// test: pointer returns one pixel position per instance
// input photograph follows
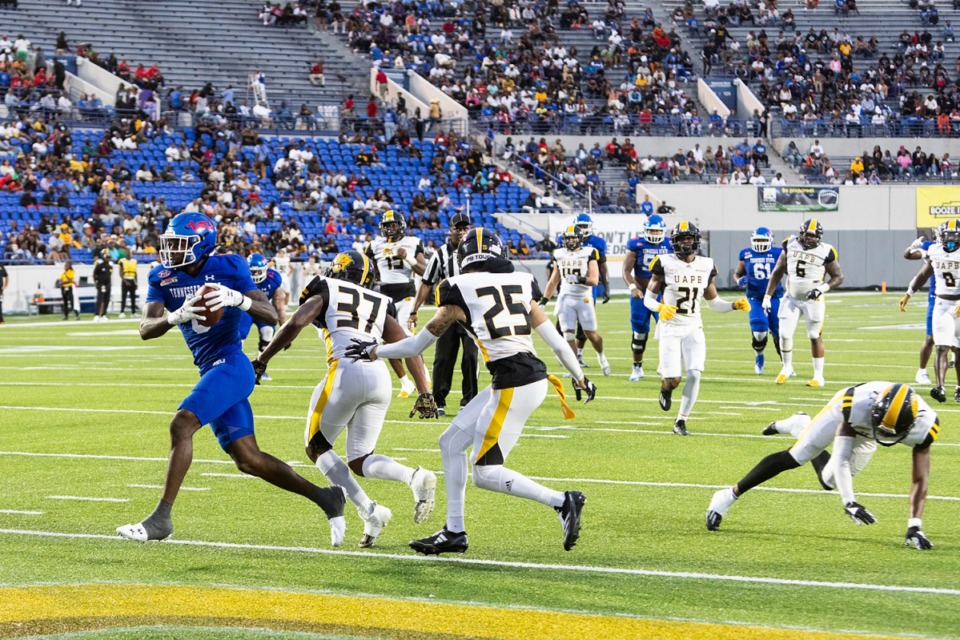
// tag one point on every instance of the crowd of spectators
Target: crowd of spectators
(870, 167)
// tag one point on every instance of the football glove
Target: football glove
(606, 296)
(426, 406)
(188, 312)
(767, 304)
(916, 244)
(917, 539)
(226, 297)
(543, 301)
(588, 387)
(667, 311)
(575, 279)
(262, 344)
(956, 311)
(741, 304)
(360, 349)
(858, 513)
(814, 294)
(742, 282)
(259, 368)
(903, 301)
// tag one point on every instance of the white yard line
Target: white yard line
(682, 575)
(88, 499)
(160, 487)
(17, 512)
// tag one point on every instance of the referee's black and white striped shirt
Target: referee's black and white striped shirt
(442, 264)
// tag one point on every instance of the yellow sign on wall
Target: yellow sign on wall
(936, 205)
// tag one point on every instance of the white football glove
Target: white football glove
(191, 310)
(226, 297)
(767, 304)
(916, 244)
(573, 279)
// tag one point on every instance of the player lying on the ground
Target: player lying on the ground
(355, 395)
(855, 420)
(221, 397)
(498, 307)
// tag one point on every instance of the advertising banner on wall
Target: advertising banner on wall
(814, 199)
(935, 205)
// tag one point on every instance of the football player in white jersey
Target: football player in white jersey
(578, 268)
(685, 278)
(497, 305)
(943, 261)
(855, 420)
(806, 261)
(354, 395)
(398, 258)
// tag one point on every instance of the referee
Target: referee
(443, 264)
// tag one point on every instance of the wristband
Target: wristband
(910, 291)
(824, 287)
(632, 287)
(246, 304)
(914, 522)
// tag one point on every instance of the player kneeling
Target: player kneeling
(497, 306)
(855, 420)
(355, 395)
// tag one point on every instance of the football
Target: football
(213, 317)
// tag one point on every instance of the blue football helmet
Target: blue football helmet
(761, 240)
(584, 226)
(258, 267)
(654, 229)
(950, 235)
(189, 238)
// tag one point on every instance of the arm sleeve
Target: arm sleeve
(842, 450)
(408, 347)
(650, 301)
(562, 350)
(432, 273)
(720, 305)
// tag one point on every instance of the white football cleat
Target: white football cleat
(375, 518)
(122, 315)
(637, 374)
(407, 388)
(604, 365)
(137, 533)
(338, 529)
(922, 377)
(424, 487)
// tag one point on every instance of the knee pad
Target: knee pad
(569, 336)
(639, 342)
(487, 476)
(759, 340)
(814, 332)
(786, 344)
(693, 376)
(319, 445)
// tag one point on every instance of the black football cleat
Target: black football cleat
(713, 521)
(938, 394)
(770, 429)
(956, 395)
(680, 428)
(665, 399)
(573, 502)
(443, 541)
(441, 411)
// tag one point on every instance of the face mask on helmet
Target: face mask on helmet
(761, 240)
(188, 239)
(258, 268)
(654, 231)
(571, 241)
(810, 234)
(893, 414)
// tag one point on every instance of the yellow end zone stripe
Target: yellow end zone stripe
(22, 604)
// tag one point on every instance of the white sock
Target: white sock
(405, 382)
(453, 451)
(384, 468)
(579, 353)
(496, 477)
(691, 389)
(786, 353)
(818, 367)
(337, 472)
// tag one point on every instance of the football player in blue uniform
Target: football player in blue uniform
(752, 274)
(917, 251)
(636, 273)
(220, 398)
(269, 281)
